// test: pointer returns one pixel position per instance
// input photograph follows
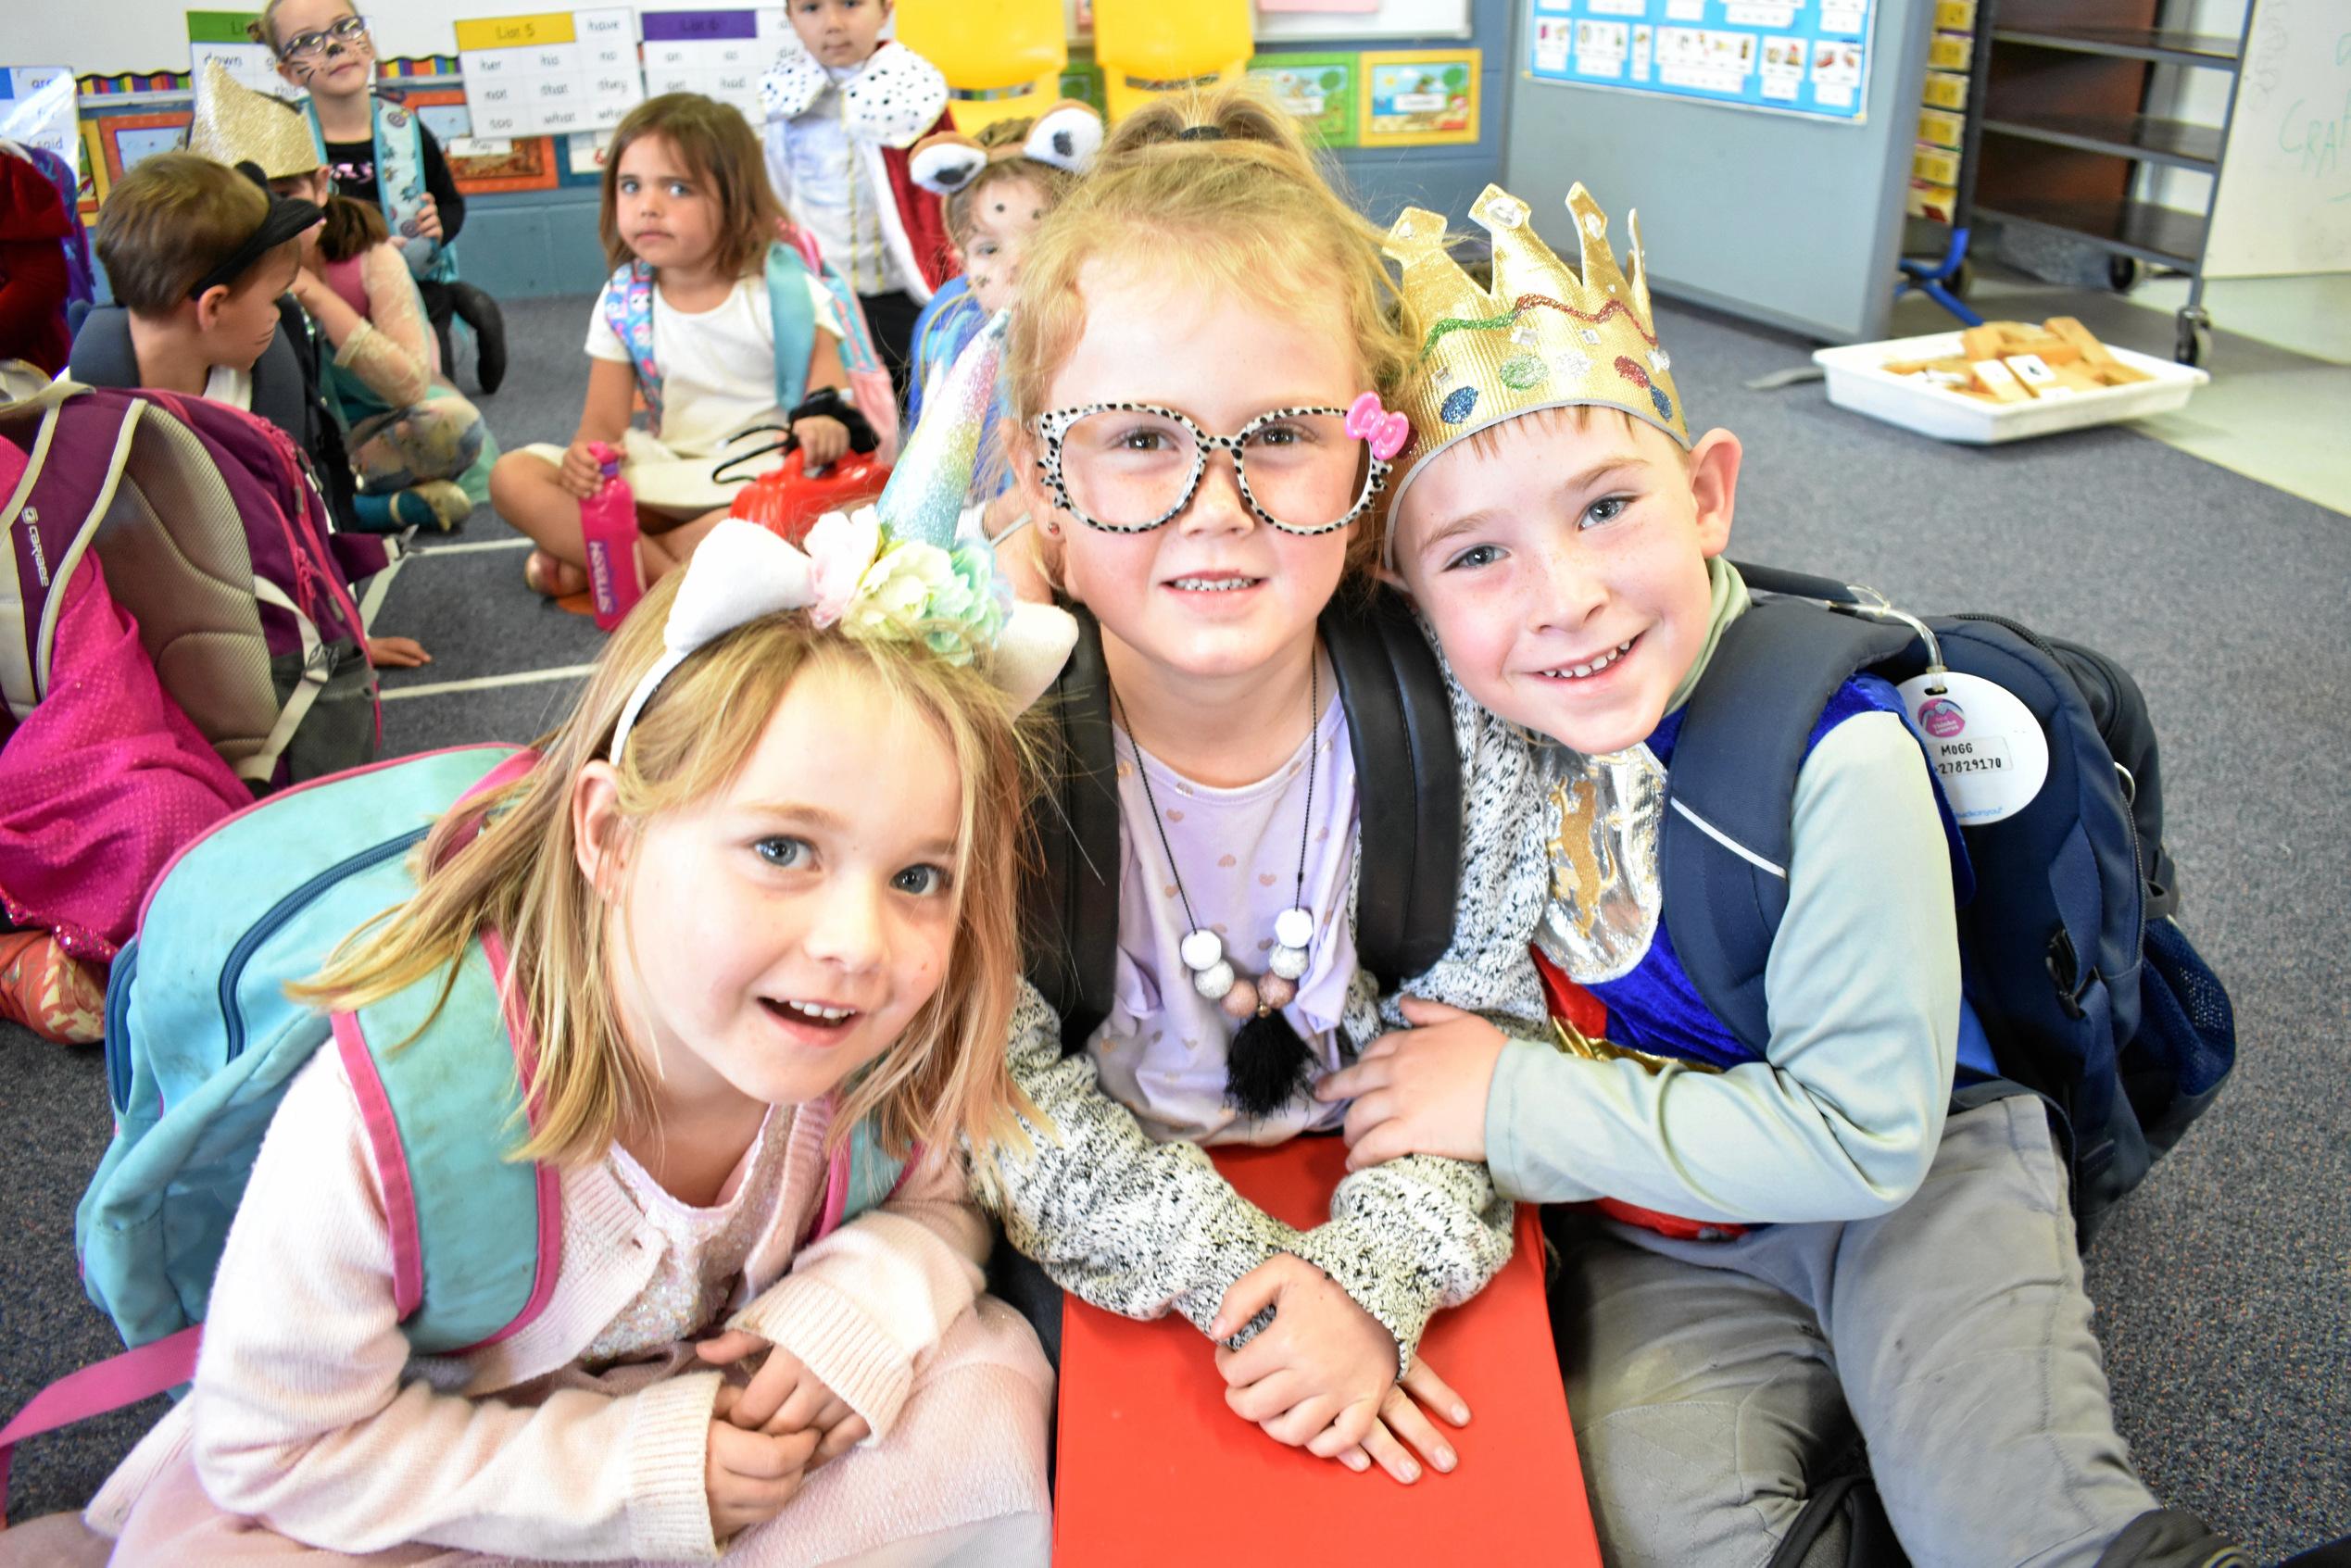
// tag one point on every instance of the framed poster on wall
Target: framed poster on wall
(1418, 97)
(1320, 89)
(124, 139)
(1792, 56)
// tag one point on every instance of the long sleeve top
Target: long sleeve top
(1842, 1117)
(1143, 1227)
(310, 1413)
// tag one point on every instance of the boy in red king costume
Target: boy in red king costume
(844, 105)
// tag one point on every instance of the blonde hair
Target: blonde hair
(959, 206)
(263, 29)
(1249, 210)
(720, 150)
(172, 220)
(942, 1080)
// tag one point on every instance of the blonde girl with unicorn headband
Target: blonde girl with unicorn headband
(752, 909)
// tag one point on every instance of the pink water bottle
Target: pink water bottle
(607, 527)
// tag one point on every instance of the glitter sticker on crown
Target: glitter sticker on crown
(1522, 372)
(1551, 330)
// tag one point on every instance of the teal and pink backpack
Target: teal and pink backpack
(202, 1041)
(791, 261)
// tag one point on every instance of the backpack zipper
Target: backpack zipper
(286, 910)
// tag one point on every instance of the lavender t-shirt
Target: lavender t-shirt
(1162, 1050)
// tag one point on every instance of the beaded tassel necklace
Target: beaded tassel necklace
(1267, 1064)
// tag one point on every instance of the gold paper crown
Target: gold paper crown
(234, 124)
(1543, 337)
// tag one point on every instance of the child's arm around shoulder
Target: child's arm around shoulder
(304, 1415)
(863, 1303)
(1862, 986)
(1135, 1226)
(1413, 1234)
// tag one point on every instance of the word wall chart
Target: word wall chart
(719, 54)
(558, 71)
(1793, 57)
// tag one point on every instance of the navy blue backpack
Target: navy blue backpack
(2089, 993)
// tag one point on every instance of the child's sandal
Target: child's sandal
(552, 577)
(50, 991)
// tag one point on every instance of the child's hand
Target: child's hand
(397, 653)
(428, 218)
(824, 440)
(748, 1476)
(784, 1397)
(1422, 1090)
(306, 288)
(579, 473)
(1323, 1363)
(1403, 1420)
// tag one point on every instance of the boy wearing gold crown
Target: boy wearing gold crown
(1782, 1246)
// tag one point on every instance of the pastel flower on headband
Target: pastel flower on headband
(840, 547)
(1386, 432)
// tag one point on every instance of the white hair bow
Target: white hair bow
(852, 573)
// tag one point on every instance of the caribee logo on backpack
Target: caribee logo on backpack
(1988, 750)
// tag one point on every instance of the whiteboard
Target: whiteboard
(2285, 201)
(150, 35)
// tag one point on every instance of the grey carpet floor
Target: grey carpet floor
(2220, 1285)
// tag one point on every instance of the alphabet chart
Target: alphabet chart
(719, 54)
(558, 71)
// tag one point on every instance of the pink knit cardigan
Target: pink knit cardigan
(309, 1413)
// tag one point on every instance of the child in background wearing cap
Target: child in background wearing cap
(418, 445)
(1856, 1253)
(198, 255)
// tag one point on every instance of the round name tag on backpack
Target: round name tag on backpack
(1988, 749)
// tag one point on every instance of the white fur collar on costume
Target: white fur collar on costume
(894, 99)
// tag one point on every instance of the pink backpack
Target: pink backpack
(215, 539)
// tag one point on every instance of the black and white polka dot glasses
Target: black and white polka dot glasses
(1129, 467)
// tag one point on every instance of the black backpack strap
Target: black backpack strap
(1073, 895)
(1730, 824)
(1408, 787)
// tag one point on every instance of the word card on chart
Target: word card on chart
(222, 35)
(557, 71)
(36, 108)
(719, 54)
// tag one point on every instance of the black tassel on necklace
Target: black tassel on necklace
(1267, 1065)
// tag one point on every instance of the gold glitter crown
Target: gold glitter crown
(1543, 337)
(234, 124)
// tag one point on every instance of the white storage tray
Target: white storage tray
(1858, 381)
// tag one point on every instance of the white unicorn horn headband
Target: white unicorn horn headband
(889, 572)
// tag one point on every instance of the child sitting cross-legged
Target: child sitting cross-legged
(419, 445)
(717, 324)
(1790, 1243)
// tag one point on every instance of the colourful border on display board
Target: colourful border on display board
(1408, 120)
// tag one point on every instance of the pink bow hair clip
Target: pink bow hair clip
(1386, 433)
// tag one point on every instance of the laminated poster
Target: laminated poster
(556, 71)
(1792, 56)
(1319, 89)
(222, 35)
(719, 54)
(36, 108)
(1419, 97)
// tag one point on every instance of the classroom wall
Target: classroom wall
(536, 243)
(1790, 220)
